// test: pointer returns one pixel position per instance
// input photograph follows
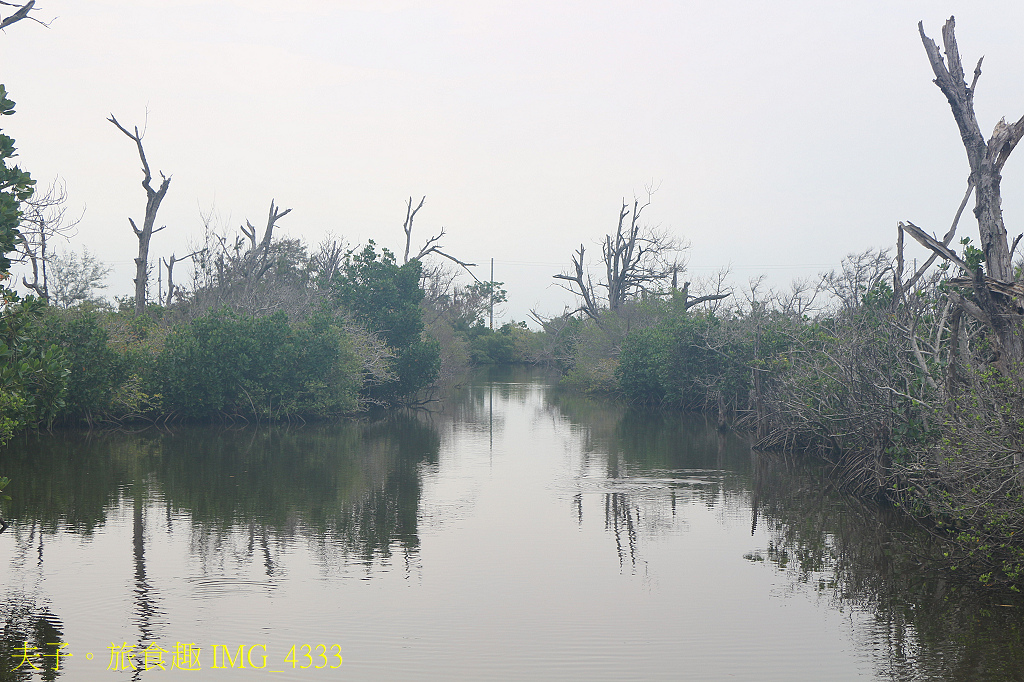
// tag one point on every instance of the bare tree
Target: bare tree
(432, 245)
(256, 262)
(259, 274)
(43, 219)
(145, 235)
(582, 284)
(327, 260)
(637, 258)
(169, 264)
(995, 297)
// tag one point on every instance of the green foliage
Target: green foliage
(694, 360)
(96, 368)
(878, 296)
(495, 347)
(382, 294)
(973, 256)
(643, 365)
(16, 186)
(33, 375)
(33, 371)
(385, 297)
(225, 363)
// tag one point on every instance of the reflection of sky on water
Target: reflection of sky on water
(519, 532)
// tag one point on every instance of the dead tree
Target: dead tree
(327, 260)
(43, 219)
(145, 235)
(636, 258)
(169, 264)
(582, 285)
(257, 261)
(624, 255)
(994, 299)
(432, 245)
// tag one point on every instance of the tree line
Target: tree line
(909, 382)
(268, 328)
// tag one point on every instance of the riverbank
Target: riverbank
(610, 542)
(896, 391)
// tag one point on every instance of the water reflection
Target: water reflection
(355, 485)
(852, 553)
(241, 497)
(648, 465)
(525, 516)
(30, 643)
(926, 624)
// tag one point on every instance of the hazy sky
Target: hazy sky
(782, 135)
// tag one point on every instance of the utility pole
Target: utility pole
(492, 294)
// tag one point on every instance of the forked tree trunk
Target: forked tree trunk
(995, 308)
(145, 235)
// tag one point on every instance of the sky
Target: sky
(781, 136)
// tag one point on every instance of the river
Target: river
(515, 532)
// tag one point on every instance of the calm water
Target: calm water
(519, 534)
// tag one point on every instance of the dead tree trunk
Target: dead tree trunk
(257, 261)
(432, 245)
(410, 215)
(636, 259)
(998, 310)
(145, 235)
(622, 254)
(584, 287)
(169, 264)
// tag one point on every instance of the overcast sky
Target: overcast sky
(781, 135)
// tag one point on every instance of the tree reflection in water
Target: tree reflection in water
(351, 491)
(645, 463)
(29, 642)
(925, 624)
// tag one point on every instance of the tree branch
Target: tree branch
(22, 13)
(410, 215)
(933, 244)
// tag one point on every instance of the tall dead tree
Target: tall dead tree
(624, 254)
(432, 245)
(995, 300)
(145, 235)
(257, 260)
(636, 258)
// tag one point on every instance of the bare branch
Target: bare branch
(153, 199)
(933, 244)
(705, 299)
(410, 215)
(22, 13)
(584, 288)
(945, 240)
(430, 245)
